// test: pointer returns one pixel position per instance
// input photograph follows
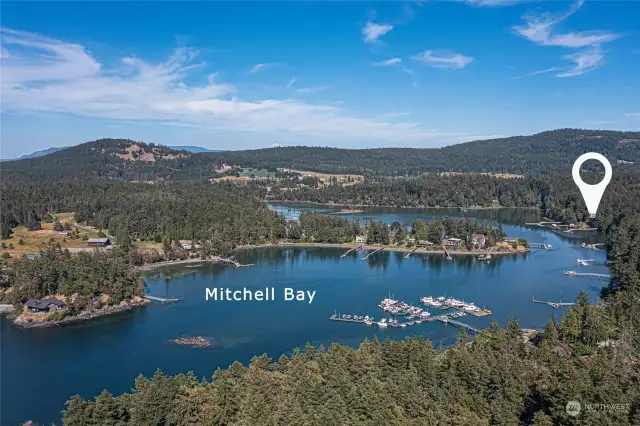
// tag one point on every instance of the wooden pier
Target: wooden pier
(338, 317)
(554, 304)
(408, 255)
(350, 250)
(372, 253)
(446, 252)
(231, 261)
(160, 299)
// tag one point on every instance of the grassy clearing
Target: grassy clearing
(34, 241)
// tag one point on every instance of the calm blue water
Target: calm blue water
(41, 368)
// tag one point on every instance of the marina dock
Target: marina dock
(372, 253)
(351, 250)
(160, 299)
(446, 319)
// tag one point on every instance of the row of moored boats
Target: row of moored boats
(442, 302)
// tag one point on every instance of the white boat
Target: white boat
(470, 307)
(441, 299)
(383, 323)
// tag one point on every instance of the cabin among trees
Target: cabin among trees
(44, 306)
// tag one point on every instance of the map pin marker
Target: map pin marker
(592, 193)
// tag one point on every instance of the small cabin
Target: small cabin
(361, 239)
(44, 306)
(99, 242)
(424, 243)
(510, 240)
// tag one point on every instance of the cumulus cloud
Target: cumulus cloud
(40, 74)
(372, 31)
(454, 61)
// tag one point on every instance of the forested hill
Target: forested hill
(530, 155)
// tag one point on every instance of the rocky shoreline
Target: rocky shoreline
(83, 316)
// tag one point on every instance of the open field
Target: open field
(325, 178)
(34, 241)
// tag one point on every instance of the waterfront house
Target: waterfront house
(99, 242)
(361, 239)
(510, 240)
(44, 306)
(423, 243)
(454, 242)
(32, 256)
(188, 245)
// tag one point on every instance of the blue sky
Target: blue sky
(234, 75)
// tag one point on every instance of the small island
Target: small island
(194, 342)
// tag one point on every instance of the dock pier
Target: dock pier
(408, 255)
(446, 319)
(350, 250)
(231, 261)
(588, 274)
(446, 252)
(554, 304)
(160, 299)
(372, 253)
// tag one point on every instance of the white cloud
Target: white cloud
(290, 83)
(261, 67)
(372, 31)
(585, 61)
(531, 74)
(539, 29)
(315, 89)
(494, 3)
(39, 74)
(454, 61)
(388, 62)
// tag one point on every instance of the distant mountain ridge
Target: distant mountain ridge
(539, 154)
(42, 153)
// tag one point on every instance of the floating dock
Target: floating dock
(231, 261)
(554, 304)
(372, 253)
(588, 262)
(351, 250)
(408, 255)
(587, 274)
(160, 299)
(448, 320)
